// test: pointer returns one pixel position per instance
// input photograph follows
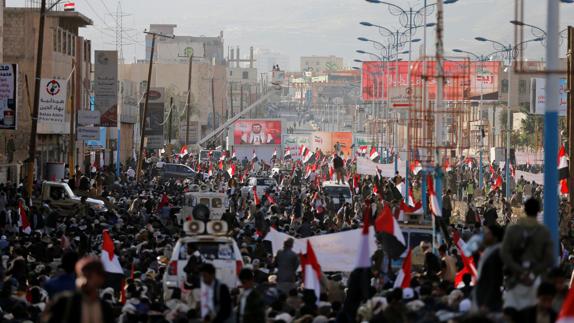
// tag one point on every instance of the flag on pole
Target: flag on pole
(287, 154)
(447, 166)
(460, 244)
(566, 314)
(70, 6)
(390, 233)
(109, 258)
(256, 198)
(362, 150)
(404, 275)
(254, 156)
(183, 151)
(433, 199)
(231, 170)
(562, 163)
(233, 156)
(220, 165)
(23, 221)
(374, 155)
(308, 157)
(311, 271)
(416, 167)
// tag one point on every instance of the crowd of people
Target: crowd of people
(492, 260)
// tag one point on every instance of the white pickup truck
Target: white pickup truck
(63, 199)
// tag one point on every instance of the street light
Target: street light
(510, 55)
(357, 61)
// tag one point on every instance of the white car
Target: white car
(261, 185)
(338, 193)
(221, 251)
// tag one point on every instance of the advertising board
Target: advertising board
(538, 96)
(106, 86)
(257, 132)
(52, 107)
(8, 96)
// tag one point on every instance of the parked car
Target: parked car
(167, 170)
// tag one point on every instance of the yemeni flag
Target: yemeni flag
(210, 170)
(308, 157)
(468, 268)
(311, 271)
(491, 169)
(562, 163)
(287, 154)
(468, 161)
(566, 314)
(303, 150)
(433, 199)
(497, 184)
(358, 285)
(233, 156)
(405, 208)
(404, 275)
(416, 167)
(460, 244)
(374, 155)
(389, 233)
(114, 271)
(269, 198)
(447, 166)
(70, 6)
(254, 156)
(231, 170)
(23, 221)
(220, 165)
(362, 150)
(183, 151)
(256, 198)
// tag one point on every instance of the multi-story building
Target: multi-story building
(63, 49)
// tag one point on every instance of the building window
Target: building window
(504, 86)
(245, 75)
(230, 73)
(522, 89)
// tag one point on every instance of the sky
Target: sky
(298, 28)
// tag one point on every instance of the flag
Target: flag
(256, 198)
(274, 153)
(254, 157)
(308, 157)
(411, 199)
(210, 170)
(362, 150)
(303, 150)
(70, 6)
(468, 161)
(497, 184)
(374, 155)
(447, 166)
(269, 198)
(24, 224)
(109, 258)
(220, 165)
(331, 172)
(468, 268)
(562, 163)
(311, 271)
(433, 199)
(460, 244)
(233, 156)
(389, 232)
(564, 187)
(416, 167)
(512, 170)
(566, 314)
(404, 275)
(491, 169)
(287, 154)
(183, 151)
(231, 170)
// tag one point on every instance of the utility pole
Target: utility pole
(241, 102)
(213, 98)
(231, 99)
(72, 141)
(144, 115)
(187, 108)
(34, 127)
(569, 112)
(169, 122)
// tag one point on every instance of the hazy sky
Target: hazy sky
(305, 27)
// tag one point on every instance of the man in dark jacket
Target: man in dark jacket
(487, 292)
(490, 215)
(287, 263)
(251, 307)
(339, 165)
(215, 300)
(84, 305)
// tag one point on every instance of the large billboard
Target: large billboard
(52, 107)
(464, 80)
(257, 132)
(154, 118)
(294, 142)
(106, 86)
(8, 96)
(538, 96)
(327, 141)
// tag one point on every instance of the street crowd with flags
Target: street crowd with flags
(446, 246)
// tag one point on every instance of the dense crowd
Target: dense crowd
(506, 272)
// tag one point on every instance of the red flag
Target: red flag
(404, 275)
(566, 314)
(311, 271)
(24, 224)
(434, 206)
(256, 198)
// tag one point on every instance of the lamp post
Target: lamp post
(510, 53)
(407, 18)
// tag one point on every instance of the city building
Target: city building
(62, 48)
(242, 77)
(321, 64)
(176, 49)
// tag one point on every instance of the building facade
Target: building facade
(321, 64)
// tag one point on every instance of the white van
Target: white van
(215, 248)
(338, 193)
(215, 201)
